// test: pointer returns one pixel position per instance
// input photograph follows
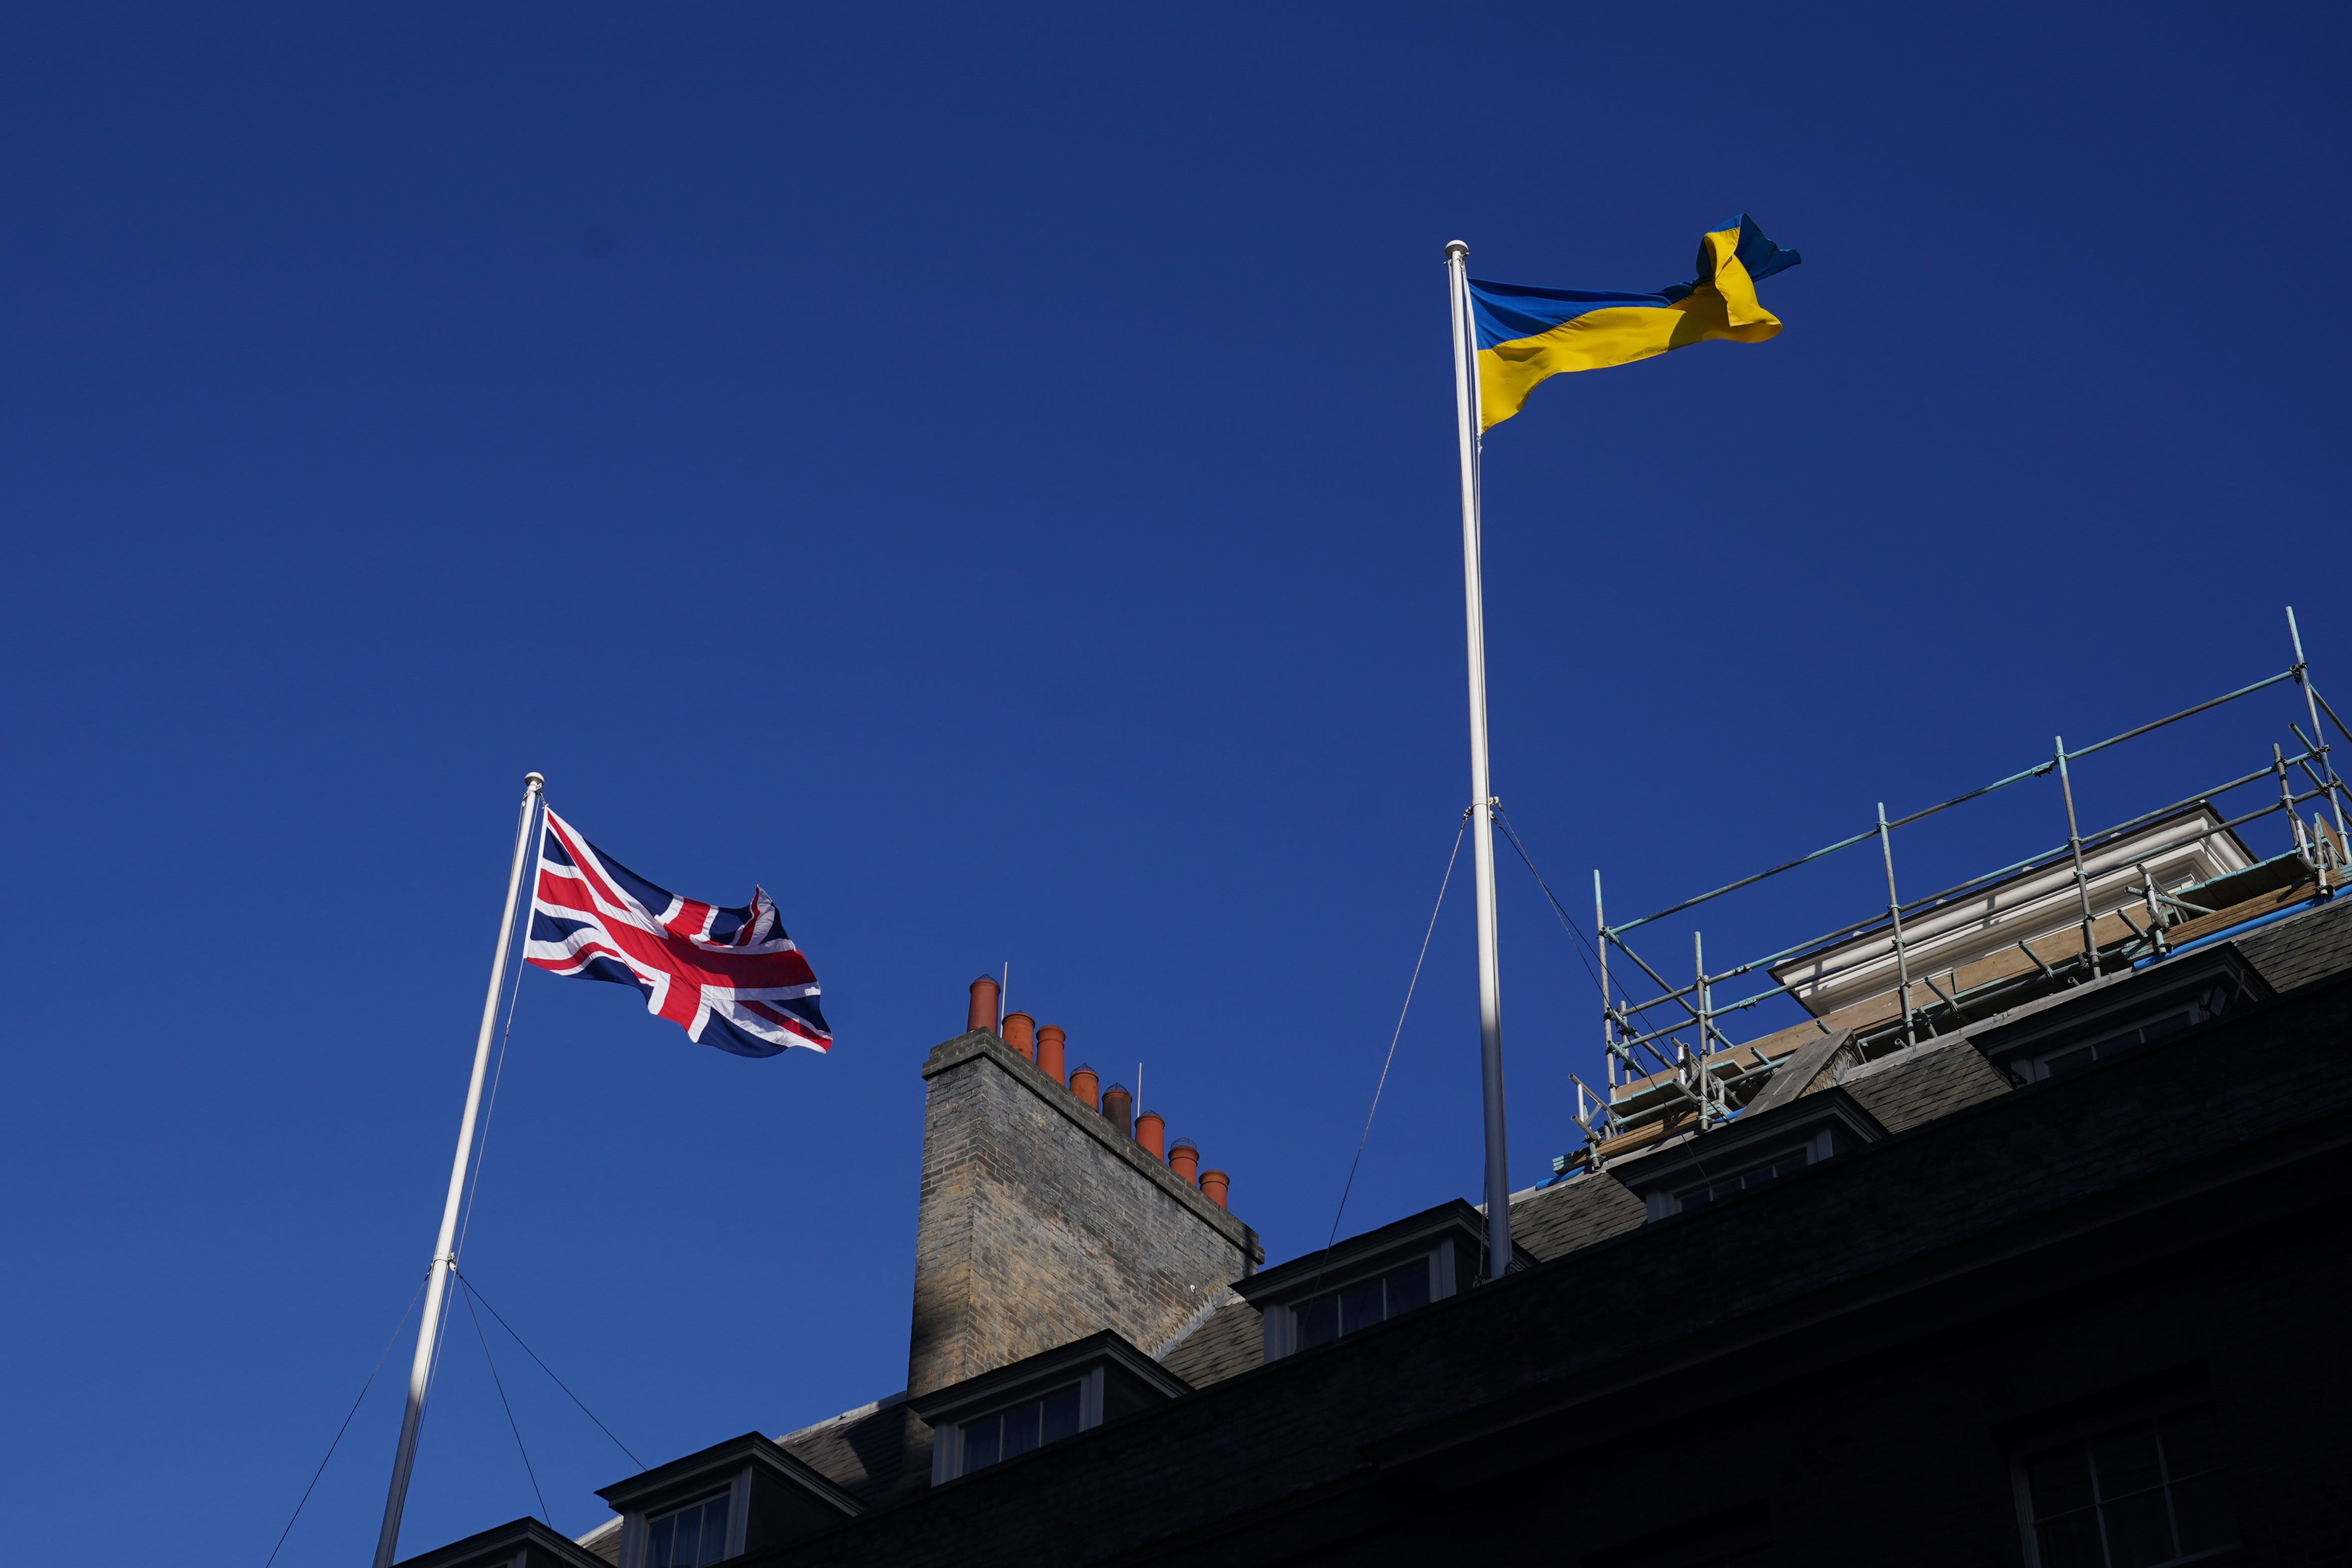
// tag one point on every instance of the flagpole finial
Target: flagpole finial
(532, 783)
(1455, 249)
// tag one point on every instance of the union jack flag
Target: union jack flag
(729, 978)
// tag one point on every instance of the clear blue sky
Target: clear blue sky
(989, 478)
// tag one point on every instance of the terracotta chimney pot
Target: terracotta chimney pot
(1151, 1131)
(1021, 1034)
(1049, 1050)
(1120, 1106)
(1082, 1084)
(1184, 1159)
(1214, 1185)
(983, 1005)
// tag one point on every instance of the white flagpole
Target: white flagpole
(1490, 971)
(445, 1256)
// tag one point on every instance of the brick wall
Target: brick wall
(1039, 1223)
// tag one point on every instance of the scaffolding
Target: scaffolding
(1669, 1061)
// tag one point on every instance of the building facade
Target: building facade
(2052, 1278)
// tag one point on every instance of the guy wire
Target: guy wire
(499, 1384)
(1411, 985)
(347, 1420)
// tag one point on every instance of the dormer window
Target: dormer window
(1757, 1149)
(1366, 1279)
(1365, 1302)
(2073, 1056)
(1753, 1174)
(1013, 1410)
(688, 1537)
(2071, 1031)
(741, 1496)
(1018, 1428)
(523, 1543)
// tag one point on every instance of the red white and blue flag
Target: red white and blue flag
(729, 978)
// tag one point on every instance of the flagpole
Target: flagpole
(1482, 799)
(445, 1256)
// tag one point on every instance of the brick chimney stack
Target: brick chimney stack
(1042, 1222)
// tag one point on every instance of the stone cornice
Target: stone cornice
(979, 1043)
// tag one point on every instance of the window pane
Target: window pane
(2071, 1541)
(2126, 1463)
(1061, 1415)
(659, 1554)
(1319, 1321)
(1359, 1306)
(2139, 1530)
(1408, 1287)
(714, 1530)
(2068, 1061)
(1021, 1428)
(2188, 1447)
(2201, 1513)
(2061, 1480)
(980, 1439)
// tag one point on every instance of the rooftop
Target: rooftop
(2120, 1012)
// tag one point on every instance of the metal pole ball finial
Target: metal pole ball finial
(1455, 247)
(534, 782)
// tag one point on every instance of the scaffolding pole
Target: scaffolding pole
(1601, 953)
(2311, 704)
(1895, 913)
(2082, 879)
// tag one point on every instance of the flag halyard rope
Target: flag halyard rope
(482, 1143)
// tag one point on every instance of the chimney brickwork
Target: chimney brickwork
(1040, 1224)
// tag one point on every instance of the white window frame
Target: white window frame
(2148, 1411)
(636, 1528)
(1816, 1146)
(2197, 1010)
(1282, 1336)
(947, 1440)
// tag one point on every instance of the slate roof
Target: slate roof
(875, 1453)
(1552, 1220)
(605, 1541)
(1930, 1079)
(1232, 1341)
(2302, 948)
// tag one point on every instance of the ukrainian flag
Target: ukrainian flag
(1527, 334)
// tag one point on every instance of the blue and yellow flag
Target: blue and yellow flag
(1527, 334)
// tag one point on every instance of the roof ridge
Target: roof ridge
(1224, 1296)
(870, 1407)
